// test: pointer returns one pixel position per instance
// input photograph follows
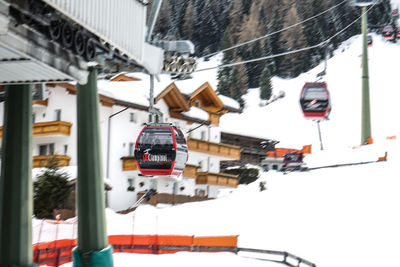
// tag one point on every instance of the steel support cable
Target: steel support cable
(323, 43)
(281, 30)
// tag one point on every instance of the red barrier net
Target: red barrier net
(58, 252)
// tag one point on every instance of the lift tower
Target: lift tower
(366, 136)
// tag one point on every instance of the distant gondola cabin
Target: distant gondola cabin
(315, 101)
(388, 32)
(369, 40)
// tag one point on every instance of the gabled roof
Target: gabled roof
(123, 78)
(208, 98)
(173, 98)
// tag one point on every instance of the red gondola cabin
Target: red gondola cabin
(369, 40)
(388, 32)
(315, 101)
(161, 151)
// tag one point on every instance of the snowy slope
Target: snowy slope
(333, 217)
(283, 120)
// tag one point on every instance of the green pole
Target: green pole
(93, 249)
(16, 201)
(365, 110)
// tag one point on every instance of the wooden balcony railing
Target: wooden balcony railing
(41, 102)
(51, 128)
(190, 171)
(48, 128)
(41, 161)
(129, 163)
(217, 149)
(222, 179)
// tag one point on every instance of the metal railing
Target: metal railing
(276, 256)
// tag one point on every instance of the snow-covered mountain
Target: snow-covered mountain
(333, 217)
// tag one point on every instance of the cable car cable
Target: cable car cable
(272, 33)
(191, 130)
(288, 52)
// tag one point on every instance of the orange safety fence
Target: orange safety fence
(58, 252)
(215, 241)
(133, 243)
(307, 149)
(280, 152)
(174, 240)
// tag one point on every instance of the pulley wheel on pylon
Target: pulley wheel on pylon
(79, 43)
(67, 35)
(90, 50)
(55, 30)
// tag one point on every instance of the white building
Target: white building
(123, 110)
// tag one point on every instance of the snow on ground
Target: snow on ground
(284, 121)
(333, 217)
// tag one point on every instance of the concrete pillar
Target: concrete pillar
(366, 137)
(93, 249)
(16, 202)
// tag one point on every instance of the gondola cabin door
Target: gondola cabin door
(161, 151)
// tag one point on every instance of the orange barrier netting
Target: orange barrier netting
(58, 252)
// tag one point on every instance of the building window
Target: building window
(65, 149)
(200, 192)
(150, 118)
(58, 114)
(132, 117)
(46, 149)
(201, 165)
(131, 184)
(131, 148)
(33, 117)
(203, 135)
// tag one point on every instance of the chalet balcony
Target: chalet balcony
(129, 163)
(216, 149)
(49, 128)
(52, 128)
(190, 171)
(222, 179)
(40, 103)
(42, 160)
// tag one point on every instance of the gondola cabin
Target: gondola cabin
(369, 40)
(292, 161)
(388, 32)
(161, 151)
(315, 101)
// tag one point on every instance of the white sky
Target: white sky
(345, 217)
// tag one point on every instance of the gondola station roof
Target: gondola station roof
(27, 57)
(32, 54)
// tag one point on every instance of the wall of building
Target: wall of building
(118, 137)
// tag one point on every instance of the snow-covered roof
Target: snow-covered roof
(229, 102)
(196, 113)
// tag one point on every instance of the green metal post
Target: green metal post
(16, 201)
(365, 112)
(93, 249)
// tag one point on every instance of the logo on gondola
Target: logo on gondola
(149, 157)
(313, 104)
